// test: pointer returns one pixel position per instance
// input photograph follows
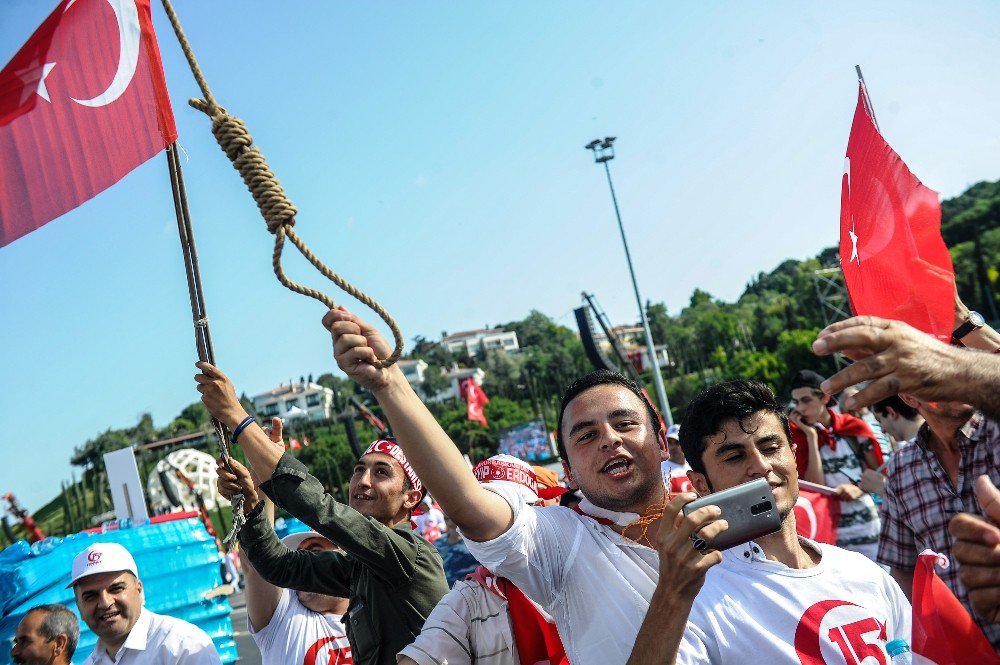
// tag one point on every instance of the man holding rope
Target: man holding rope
(391, 575)
(593, 570)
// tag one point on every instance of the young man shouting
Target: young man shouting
(781, 598)
(594, 570)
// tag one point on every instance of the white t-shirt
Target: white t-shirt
(859, 526)
(755, 610)
(296, 635)
(157, 639)
(592, 581)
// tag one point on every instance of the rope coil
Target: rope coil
(277, 210)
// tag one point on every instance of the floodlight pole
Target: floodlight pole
(603, 153)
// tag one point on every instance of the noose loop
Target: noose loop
(278, 211)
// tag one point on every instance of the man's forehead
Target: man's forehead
(604, 399)
(753, 428)
(102, 580)
(379, 459)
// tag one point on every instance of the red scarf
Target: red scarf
(536, 638)
(841, 424)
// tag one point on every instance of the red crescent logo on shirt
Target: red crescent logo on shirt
(317, 655)
(859, 637)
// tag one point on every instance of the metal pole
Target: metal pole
(661, 393)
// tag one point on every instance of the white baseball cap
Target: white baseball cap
(293, 540)
(102, 558)
(673, 432)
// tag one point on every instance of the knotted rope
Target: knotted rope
(277, 210)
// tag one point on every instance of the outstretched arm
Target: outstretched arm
(481, 515)
(897, 358)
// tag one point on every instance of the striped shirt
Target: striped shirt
(920, 500)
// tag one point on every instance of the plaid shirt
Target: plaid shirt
(920, 500)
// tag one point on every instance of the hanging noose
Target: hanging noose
(278, 212)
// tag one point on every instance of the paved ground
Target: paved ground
(249, 654)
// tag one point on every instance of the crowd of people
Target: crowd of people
(511, 564)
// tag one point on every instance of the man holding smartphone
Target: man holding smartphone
(780, 598)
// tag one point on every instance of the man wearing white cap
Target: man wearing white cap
(110, 599)
(674, 469)
(485, 619)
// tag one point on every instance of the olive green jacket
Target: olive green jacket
(393, 577)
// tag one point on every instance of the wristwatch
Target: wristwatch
(974, 322)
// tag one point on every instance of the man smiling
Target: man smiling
(110, 599)
(592, 570)
(391, 575)
(781, 598)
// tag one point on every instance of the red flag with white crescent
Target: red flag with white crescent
(81, 104)
(817, 516)
(894, 259)
(943, 631)
(475, 398)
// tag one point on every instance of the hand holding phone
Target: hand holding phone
(749, 509)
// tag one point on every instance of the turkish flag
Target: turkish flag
(895, 262)
(817, 516)
(943, 631)
(475, 398)
(81, 104)
(295, 444)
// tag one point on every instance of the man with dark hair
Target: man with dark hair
(592, 569)
(47, 635)
(392, 576)
(781, 598)
(835, 449)
(898, 418)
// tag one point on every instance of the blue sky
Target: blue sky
(435, 152)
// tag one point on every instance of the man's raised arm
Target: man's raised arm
(481, 514)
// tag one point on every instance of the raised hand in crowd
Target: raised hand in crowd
(682, 573)
(237, 481)
(897, 358)
(977, 551)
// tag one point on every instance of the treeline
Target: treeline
(766, 334)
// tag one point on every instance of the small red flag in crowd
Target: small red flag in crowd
(943, 631)
(817, 516)
(305, 441)
(295, 444)
(81, 104)
(475, 398)
(895, 262)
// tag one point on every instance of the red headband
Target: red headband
(395, 452)
(511, 472)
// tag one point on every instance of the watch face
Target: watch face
(976, 319)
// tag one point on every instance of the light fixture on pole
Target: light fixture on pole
(604, 152)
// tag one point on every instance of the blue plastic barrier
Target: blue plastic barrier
(178, 564)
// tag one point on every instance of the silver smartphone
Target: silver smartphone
(749, 508)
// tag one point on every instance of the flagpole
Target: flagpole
(868, 100)
(203, 337)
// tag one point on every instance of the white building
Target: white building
(413, 370)
(296, 400)
(454, 377)
(471, 341)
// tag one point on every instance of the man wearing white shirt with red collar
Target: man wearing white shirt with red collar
(778, 599)
(592, 570)
(110, 599)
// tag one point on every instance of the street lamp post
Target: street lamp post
(604, 152)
